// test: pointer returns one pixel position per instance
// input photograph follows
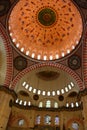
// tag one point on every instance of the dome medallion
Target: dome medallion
(47, 16)
(45, 30)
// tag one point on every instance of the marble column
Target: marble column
(5, 109)
(61, 121)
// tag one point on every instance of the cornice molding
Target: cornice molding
(8, 91)
(82, 93)
(63, 108)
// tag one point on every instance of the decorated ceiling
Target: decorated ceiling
(45, 30)
(43, 47)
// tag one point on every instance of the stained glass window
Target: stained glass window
(56, 120)
(38, 119)
(47, 119)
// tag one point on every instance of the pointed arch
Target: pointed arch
(6, 57)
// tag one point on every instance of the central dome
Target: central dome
(45, 30)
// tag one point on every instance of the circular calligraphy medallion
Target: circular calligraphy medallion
(47, 16)
(74, 62)
(4, 6)
(81, 3)
(20, 63)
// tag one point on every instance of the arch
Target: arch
(8, 50)
(39, 65)
(84, 59)
(80, 121)
(16, 117)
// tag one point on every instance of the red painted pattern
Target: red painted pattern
(85, 59)
(60, 66)
(8, 49)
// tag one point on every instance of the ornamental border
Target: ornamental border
(84, 62)
(9, 58)
(39, 65)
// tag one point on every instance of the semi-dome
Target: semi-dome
(45, 30)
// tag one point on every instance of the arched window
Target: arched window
(53, 93)
(47, 119)
(75, 126)
(21, 122)
(38, 119)
(29, 103)
(56, 120)
(55, 105)
(40, 104)
(72, 104)
(48, 104)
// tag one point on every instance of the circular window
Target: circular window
(75, 125)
